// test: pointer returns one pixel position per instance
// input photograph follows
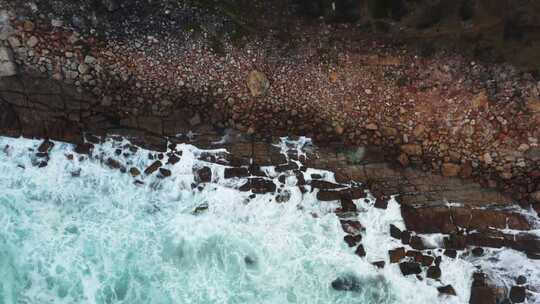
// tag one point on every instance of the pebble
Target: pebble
(32, 42)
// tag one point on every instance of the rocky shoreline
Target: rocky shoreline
(456, 139)
(442, 113)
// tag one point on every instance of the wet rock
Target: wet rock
(352, 240)
(351, 226)
(380, 203)
(434, 272)
(451, 253)
(324, 185)
(153, 167)
(427, 260)
(204, 175)
(406, 237)
(455, 241)
(517, 294)
(113, 163)
(379, 264)
(200, 209)
(84, 148)
(428, 220)
(259, 185)
(481, 291)
(417, 243)
(408, 268)
(448, 289)
(521, 280)
(360, 251)
(45, 146)
(250, 261)
(163, 173)
(173, 159)
(134, 172)
(403, 159)
(395, 232)
(257, 83)
(396, 255)
(478, 251)
(347, 282)
(347, 205)
(236, 172)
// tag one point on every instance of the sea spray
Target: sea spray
(98, 237)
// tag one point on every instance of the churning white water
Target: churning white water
(76, 231)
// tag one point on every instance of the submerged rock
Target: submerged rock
(347, 282)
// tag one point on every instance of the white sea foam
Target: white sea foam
(99, 238)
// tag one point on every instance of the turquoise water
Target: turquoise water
(96, 237)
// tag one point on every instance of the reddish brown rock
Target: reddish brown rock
(396, 255)
(450, 169)
(153, 167)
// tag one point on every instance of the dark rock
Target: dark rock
(347, 205)
(408, 268)
(352, 240)
(406, 237)
(455, 241)
(438, 261)
(427, 260)
(482, 292)
(286, 167)
(204, 175)
(324, 185)
(173, 159)
(164, 172)
(448, 289)
(236, 172)
(517, 294)
(478, 251)
(521, 280)
(450, 253)
(84, 148)
(201, 208)
(255, 170)
(395, 232)
(381, 203)
(360, 251)
(249, 260)
(113, 163)
(379, 264)
(396, 255)
(134, 172)
(259, 185)
(434, 272)
(153, 167)
(42, 164)
(347, 282)
(45, 146)
(417, 243)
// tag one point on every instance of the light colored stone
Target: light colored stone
(90, 60)
(419, 131)
(83, 69)
(480, 100)
(450, 169)
(487, 158)
(257, 83)
(412, 149)
(7, 63)
(533, 105)
(372, 127)
(32, 42)
(14, 42)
